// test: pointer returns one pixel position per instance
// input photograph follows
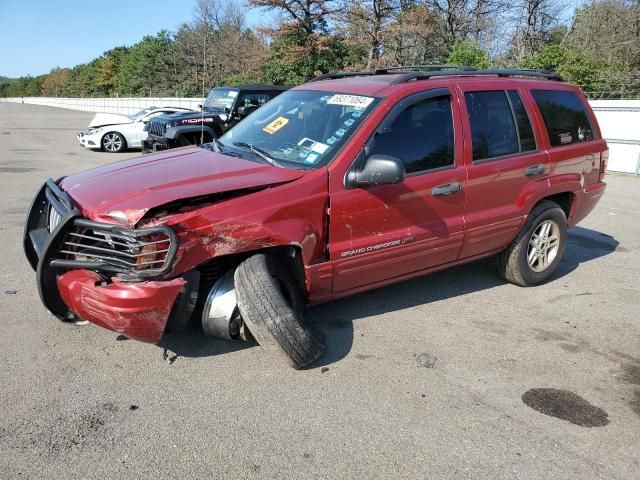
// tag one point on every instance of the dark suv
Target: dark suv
(341, 185)
(222, 109)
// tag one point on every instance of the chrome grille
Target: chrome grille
(157, 128)
(117, 249)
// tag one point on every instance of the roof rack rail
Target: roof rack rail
(491, 72)
(336, 75)
(422, 68)
(389, 70)
(440, 71)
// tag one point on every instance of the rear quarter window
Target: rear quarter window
(565, 117)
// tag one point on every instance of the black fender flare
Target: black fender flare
(175, 132)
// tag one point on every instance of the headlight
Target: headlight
(95, 130)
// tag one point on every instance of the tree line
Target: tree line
(596, 46)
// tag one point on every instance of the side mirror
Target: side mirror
(199, 106)
(378, 170)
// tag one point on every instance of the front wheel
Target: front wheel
(537, 250)
(271, 304)
(113, 142)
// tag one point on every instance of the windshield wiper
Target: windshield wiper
(260, 152)
(214, 145)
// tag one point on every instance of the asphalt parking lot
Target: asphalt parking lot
(425, 378)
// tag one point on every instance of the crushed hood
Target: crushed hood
(102, 119)
(135, 186)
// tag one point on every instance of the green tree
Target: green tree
(469, 54)
(147, 67)
(574, 66)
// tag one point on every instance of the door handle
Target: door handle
(534, 170)
(446, 189)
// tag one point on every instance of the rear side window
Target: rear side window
(499, 124)
(421, 136)
(565, 117)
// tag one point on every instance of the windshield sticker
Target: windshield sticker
(232, 94)
(276, 125)
(319, 148)
(349, 122)
(306, 143)
(331, 140)
(565, 138)
(312, 158)
(356, 114)
(311, 145)
(340, 132)
(350, 101)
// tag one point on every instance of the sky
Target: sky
(38, 35)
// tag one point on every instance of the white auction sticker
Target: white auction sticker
(350, 100)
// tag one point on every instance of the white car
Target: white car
(113, 133)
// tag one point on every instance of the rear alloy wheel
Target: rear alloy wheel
(113, 142)
(543, 246)
(537, 250)
(271, 304)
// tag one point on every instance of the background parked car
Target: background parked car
(113, 133)
(221, 110)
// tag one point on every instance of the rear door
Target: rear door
(385, 231)
(505, 163)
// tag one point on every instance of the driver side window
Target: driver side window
(421, 136)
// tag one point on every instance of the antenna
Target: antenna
(204, 73)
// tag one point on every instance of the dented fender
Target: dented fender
(292, 214)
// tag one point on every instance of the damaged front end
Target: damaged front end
(101, 272)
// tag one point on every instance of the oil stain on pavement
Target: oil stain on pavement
(565, 405)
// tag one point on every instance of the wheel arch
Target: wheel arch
(291, 255)
(566, 200)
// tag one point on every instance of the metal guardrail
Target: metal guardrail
(617, 141)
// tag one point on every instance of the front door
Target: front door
(381, 232)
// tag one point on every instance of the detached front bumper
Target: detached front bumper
(92, 288)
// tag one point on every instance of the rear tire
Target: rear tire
(271, 304)
(535, 253)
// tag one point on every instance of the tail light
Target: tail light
(604, 159)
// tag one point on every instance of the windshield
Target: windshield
(300, 129)
(220, 98)
(138, 114)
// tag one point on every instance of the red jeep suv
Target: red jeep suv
(347, 183)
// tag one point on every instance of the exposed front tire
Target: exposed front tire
(113, 142)
(271, 304)
(535, 253)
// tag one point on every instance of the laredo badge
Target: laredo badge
(276, 125)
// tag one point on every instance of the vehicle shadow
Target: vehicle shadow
(335, 319)
(193, 343)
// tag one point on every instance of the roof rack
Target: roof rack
(442, 71)
(336, 75)
(422, 68)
